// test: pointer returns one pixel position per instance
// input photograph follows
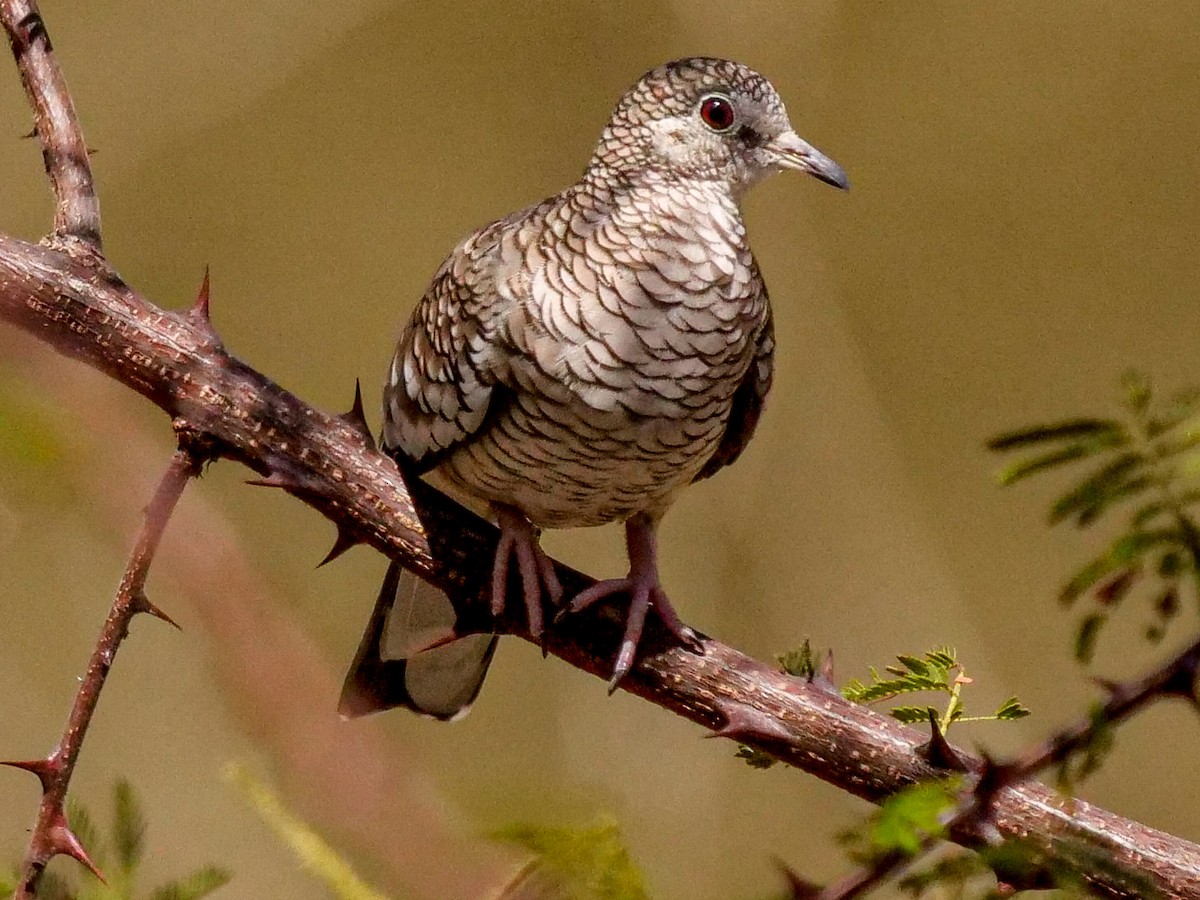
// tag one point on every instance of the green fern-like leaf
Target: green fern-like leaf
(799, 662)
(125, 841)
(589, 863)
(1102, 430)
(1023, 468)
(903, 822)
(1115, 481)
(198, 884)
(1011, 709)
(928, 673)
(913, 664)
(938, 671)
(1087, 634)
(1125, 551)
(913, 715)
(129, 826)
(1150, 464)
(943, 657)
(886, 689)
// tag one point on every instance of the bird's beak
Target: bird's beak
(793, 152)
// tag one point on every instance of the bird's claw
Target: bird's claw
(519, 540)
(644, 594)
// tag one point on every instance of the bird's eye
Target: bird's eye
(717, 112)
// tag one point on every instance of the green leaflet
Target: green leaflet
(1149, 464)
(1103, 429)
(119, 857)
(903, 822)
(937, 670)
(588, 863)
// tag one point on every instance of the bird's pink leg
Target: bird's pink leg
(645, 593)
(519, 540)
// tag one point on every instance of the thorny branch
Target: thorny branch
(76, 211)
(67, 295)
(52, 833)
(77, 226)
(1176, 678)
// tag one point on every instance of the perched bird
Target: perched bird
(584, 360)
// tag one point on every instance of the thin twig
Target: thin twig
(1174, 678)
(1177, 677)
(77, 209)
(52, 833)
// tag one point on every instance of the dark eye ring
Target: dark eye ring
(716, 111)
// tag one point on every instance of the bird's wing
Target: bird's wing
(443, 376)
(747, 405)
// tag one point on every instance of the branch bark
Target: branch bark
(1175, 678)
(83, 309)
(67, 295)
(77, 210)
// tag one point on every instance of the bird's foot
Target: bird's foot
(645, 593)
(519, 541)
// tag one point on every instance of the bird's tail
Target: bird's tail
(394, 665)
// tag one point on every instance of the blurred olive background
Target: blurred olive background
(1020, 231)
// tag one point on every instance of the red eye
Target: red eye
(717, 113)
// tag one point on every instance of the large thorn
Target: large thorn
(200, 314)
(937, 750)
(799, 888)
(993, 777)
(823, 676)
(1184, 682)
(344, 541)
(142, 604)
(357, 419)
(45, 768)
(63, 841)
(745, 723)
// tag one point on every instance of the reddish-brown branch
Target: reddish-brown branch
(1174, 678)
(52, 834)
(1177, 677)
(77, 210)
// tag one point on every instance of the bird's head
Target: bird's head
(710, 120)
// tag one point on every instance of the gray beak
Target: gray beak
(793, 152)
